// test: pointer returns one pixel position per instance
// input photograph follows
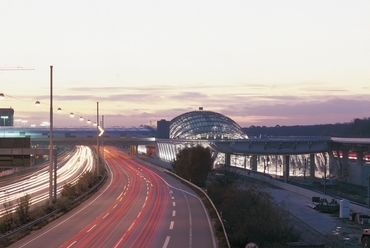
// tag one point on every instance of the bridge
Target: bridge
(306, 153)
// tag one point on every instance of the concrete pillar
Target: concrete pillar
(345, 163)
(133, 150)
(360, 158)
(312, 165)
(286, 163)
(227, 159)
(254, 163)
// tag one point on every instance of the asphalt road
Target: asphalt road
(139, 206)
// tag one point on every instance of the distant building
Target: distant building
(204, 125)
(163, 129)
(7, 117)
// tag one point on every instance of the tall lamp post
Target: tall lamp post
(97, 137)
(4, 118)
(51, 140)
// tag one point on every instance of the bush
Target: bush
(250, 215)
(193, 164)
(22, 211)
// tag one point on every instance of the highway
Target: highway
(36, 184)
(139, 206)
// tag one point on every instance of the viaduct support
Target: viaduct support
(286, 162)
(345, 163)
(312, 165)
(133, 150)
(254, 162)
(227, 159)
(360, 158)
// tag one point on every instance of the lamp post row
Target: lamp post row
(52, 163)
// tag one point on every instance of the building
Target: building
(205, 125)
(201, 127)
(7, 117)
(163, 129)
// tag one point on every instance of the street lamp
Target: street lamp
(4, 118)
(97, 137)
(51, 160)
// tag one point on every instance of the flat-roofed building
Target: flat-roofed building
(6, 117)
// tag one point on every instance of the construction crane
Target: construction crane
(15, 68)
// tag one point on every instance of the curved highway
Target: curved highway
(37, 184)
(140, 206)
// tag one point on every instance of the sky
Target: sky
(262, 63)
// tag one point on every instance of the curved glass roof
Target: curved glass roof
(205, 125)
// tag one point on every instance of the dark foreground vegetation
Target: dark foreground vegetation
(193, 164)
(71, 196)
(248, 214)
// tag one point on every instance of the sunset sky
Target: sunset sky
(257, 62)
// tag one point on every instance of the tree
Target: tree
(251, 215)
(23, 209)
(226, 176)
(194, 164)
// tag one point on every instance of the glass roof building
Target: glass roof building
(205, 125)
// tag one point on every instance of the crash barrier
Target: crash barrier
(304, 245)
(35, 222)
(209, 199)
(354, 208)
(165, 169)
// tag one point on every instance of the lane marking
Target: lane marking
(173, 213)
(174, 204)
(105, 215)
(119, 195)
(74, 242)
(91, 228)
(131, 226)
(166, 242)
(115, 206)
(171, 225)
(118, 243)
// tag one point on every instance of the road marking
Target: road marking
(131, 226)
(91, 228)
(173, 197)
(166, 242)
(72, 244)
(115, 206)
(138, 215)
(118, 243)
(173, 213)
(105, 215)
(174, 204)
(171, 225)
(119, 195)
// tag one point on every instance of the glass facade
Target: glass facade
(205, 125)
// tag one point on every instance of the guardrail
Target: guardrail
(209, 199)
(35, 222)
